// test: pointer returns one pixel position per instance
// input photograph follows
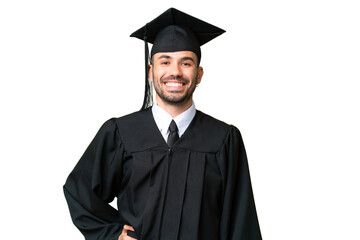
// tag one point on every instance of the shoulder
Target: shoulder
(208, 133)
(124, 124)
(137, 131)
(131, 117)
(134, 122)
(209, 123)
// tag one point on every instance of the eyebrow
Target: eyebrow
(164, 56)
(188, 58)
(183, 59)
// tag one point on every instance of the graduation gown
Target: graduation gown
(198, 190)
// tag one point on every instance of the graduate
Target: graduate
(177, 173)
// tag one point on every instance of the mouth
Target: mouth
(174, 84)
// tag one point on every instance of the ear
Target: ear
(199, 75)
(150, 73)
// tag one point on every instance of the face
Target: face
(175, 76)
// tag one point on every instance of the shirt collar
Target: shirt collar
(163, 119)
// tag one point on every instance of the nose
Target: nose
(175, 70)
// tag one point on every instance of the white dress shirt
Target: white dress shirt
(163, 120)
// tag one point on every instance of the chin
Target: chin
(177, 101)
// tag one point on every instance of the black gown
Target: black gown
(199, 189)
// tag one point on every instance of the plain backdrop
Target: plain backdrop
(286, 73)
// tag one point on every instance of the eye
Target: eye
(186, 64)
(165, 63)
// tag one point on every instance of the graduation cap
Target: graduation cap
(174, 31)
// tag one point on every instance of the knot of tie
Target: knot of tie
(173, 127)
(173, 135)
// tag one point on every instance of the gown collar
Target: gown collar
(163, 119)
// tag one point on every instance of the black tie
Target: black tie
(173, 135)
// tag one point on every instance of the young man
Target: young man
(177, 173)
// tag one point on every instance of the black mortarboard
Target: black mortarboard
(174, 31)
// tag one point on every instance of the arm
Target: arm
(94, 183)
(239, 218)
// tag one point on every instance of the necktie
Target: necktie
(173, 135)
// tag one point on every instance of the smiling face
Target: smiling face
(175, 76)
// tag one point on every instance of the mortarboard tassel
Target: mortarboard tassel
(148, 89)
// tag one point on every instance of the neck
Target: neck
(173, 109)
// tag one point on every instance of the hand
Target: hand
(123, 235)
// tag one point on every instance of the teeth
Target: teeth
(173, 84)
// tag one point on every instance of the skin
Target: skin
(124, 236)
(175, 76)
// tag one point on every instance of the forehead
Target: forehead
(175, 55)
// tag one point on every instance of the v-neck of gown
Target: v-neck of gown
(159, 136)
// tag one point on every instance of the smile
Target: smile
(174, 84)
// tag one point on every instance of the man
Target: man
(177, 173)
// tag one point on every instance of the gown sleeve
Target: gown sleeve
(238, 218)
(94, 183)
